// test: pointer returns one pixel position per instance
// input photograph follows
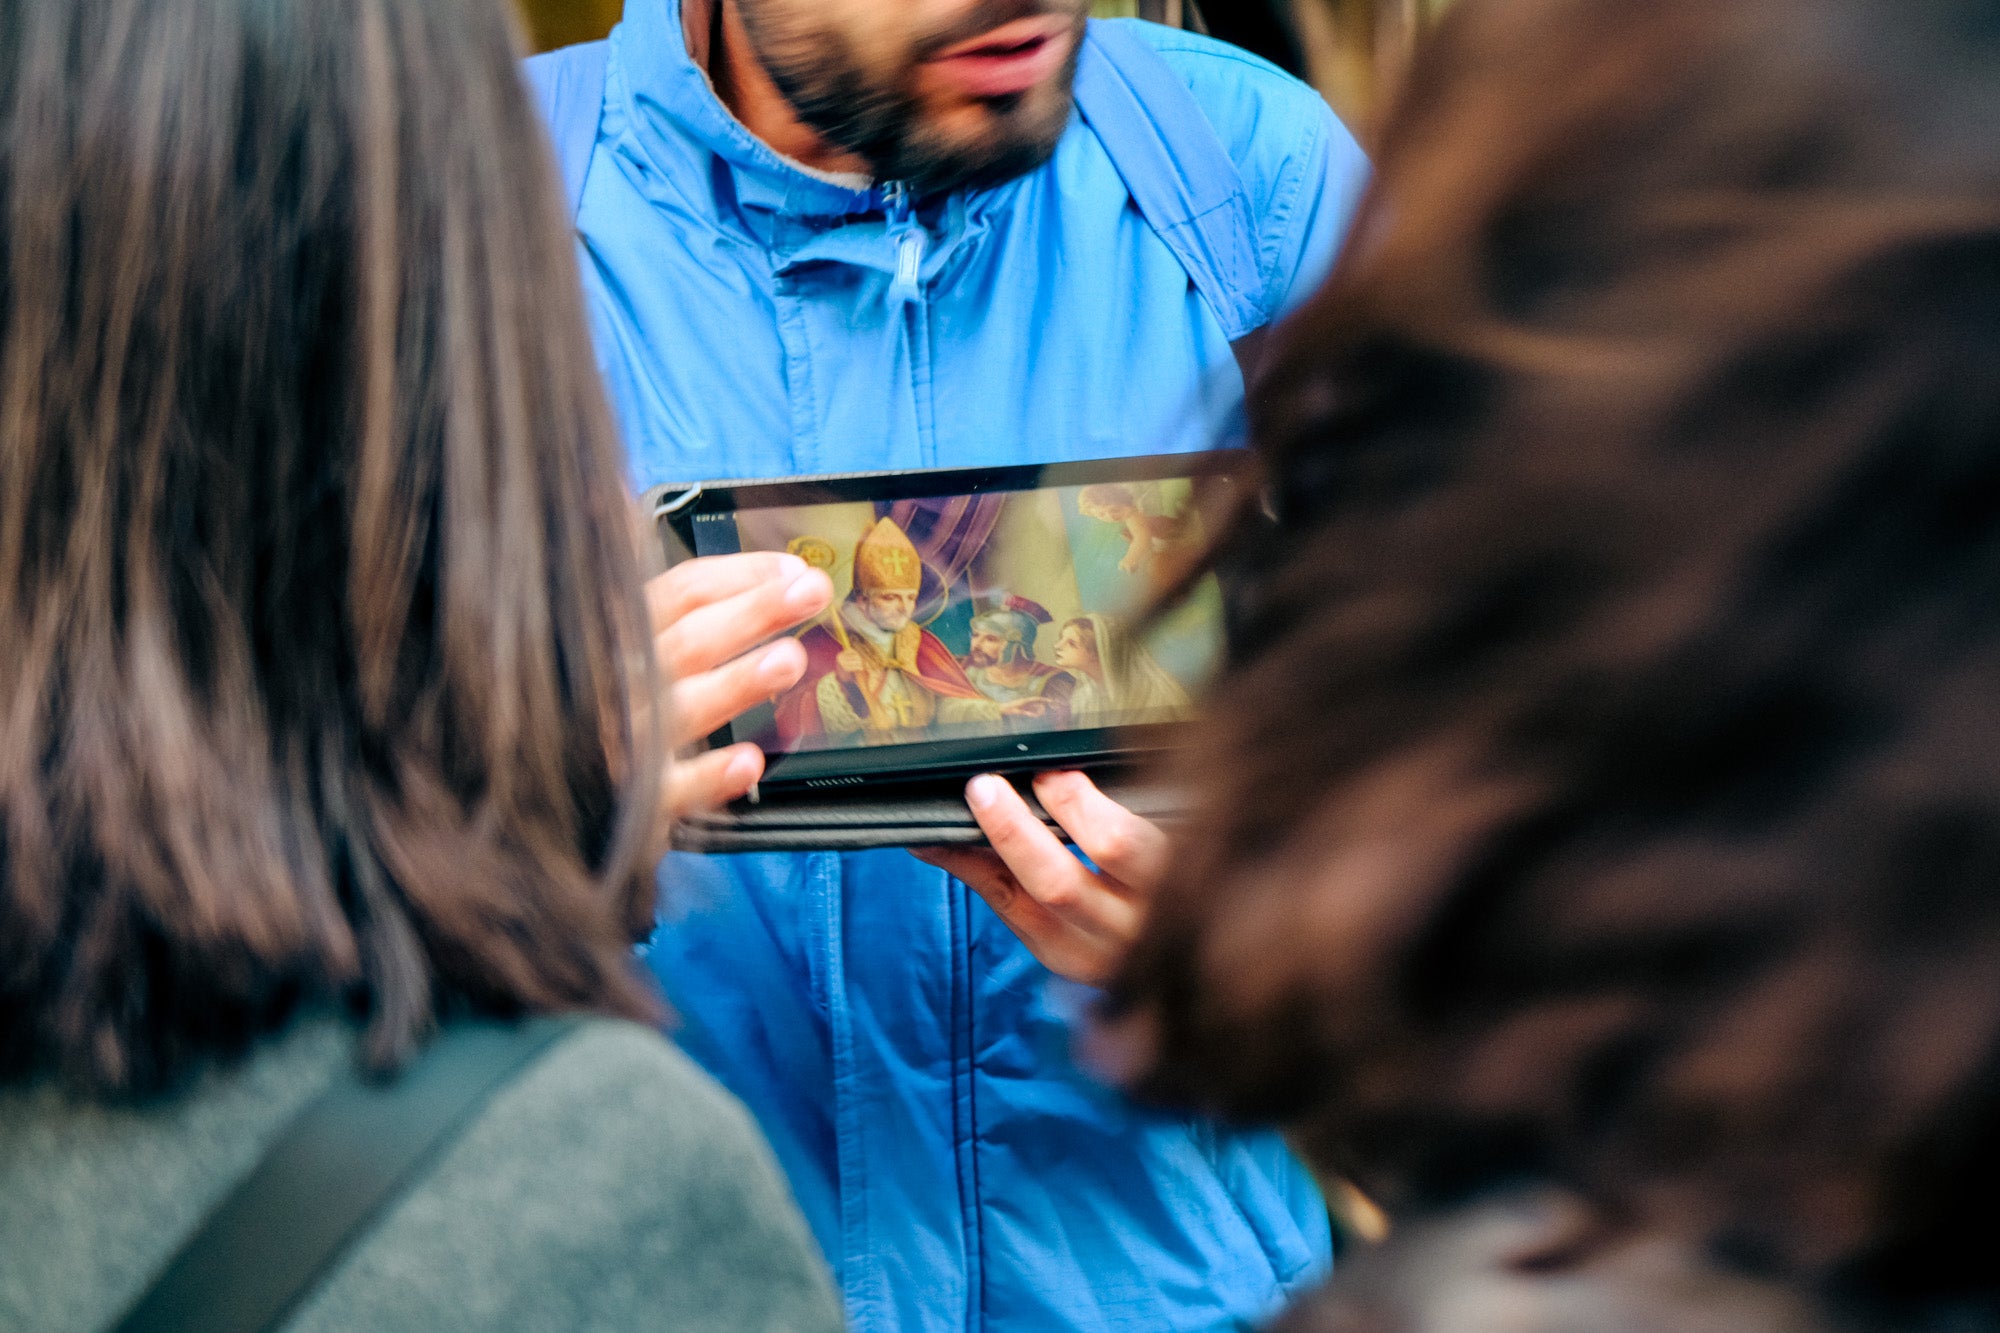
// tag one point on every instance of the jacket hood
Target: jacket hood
(672, 99)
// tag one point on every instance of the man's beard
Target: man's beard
(877, 116)
(978, 658)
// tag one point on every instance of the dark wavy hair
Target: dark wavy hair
(320, 608)
(1607, 785)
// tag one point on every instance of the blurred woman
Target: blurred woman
(323, 641)
(1598, 828)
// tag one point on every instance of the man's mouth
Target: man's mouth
(1007, 61)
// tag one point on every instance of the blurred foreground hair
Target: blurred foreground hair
(320, 621)
(1607, 788)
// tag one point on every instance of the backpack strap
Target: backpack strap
(342, 1163)
(1174, 165)
(568, 84)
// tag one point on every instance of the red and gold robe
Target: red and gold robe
(918, 654)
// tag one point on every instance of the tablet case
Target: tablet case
(930, 815)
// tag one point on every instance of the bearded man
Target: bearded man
(1002, 662)
(844, 235)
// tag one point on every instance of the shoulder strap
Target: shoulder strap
(335, 1168)
(1179, 174)
(569, 87)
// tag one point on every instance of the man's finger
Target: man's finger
(1123, 845)
(977, 866)
(1047, 870)
(711, 578)
(710, 699)
(712, 780)
(717, 632)
(1046, 934)
(1021, 840)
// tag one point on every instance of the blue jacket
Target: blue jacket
(906, 1056)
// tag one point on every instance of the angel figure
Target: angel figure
(1147, 535)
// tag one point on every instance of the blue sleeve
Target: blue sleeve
(1302, 170)
(1312, 208)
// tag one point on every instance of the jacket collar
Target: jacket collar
(800, 216)
(672, 99)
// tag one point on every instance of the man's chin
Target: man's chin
(1009, 143)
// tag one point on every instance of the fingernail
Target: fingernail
(781, 665)
(744, 768)
(983, 791)
(790, 566)
(808, 592)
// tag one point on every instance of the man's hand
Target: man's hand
(1077, 921)
(707, 614)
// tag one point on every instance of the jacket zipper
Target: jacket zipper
(910, 241)
(907, 235)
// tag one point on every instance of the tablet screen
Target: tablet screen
(993, 614)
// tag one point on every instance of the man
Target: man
(1002, 663)
(833, 235)
(873, 675)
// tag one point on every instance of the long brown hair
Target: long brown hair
(1607, 786)
(318, 603)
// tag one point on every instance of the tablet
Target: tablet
(984, 620)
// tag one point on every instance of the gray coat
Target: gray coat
(611, 1185)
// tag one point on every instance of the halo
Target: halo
(933, 595)
(815, 551)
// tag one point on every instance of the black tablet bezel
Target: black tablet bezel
(677, 508)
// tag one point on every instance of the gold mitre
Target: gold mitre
(887, 561)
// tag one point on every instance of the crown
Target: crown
(887, 561)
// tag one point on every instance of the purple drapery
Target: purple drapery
(948, 533)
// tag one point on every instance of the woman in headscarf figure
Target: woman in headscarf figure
(1118, 683)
